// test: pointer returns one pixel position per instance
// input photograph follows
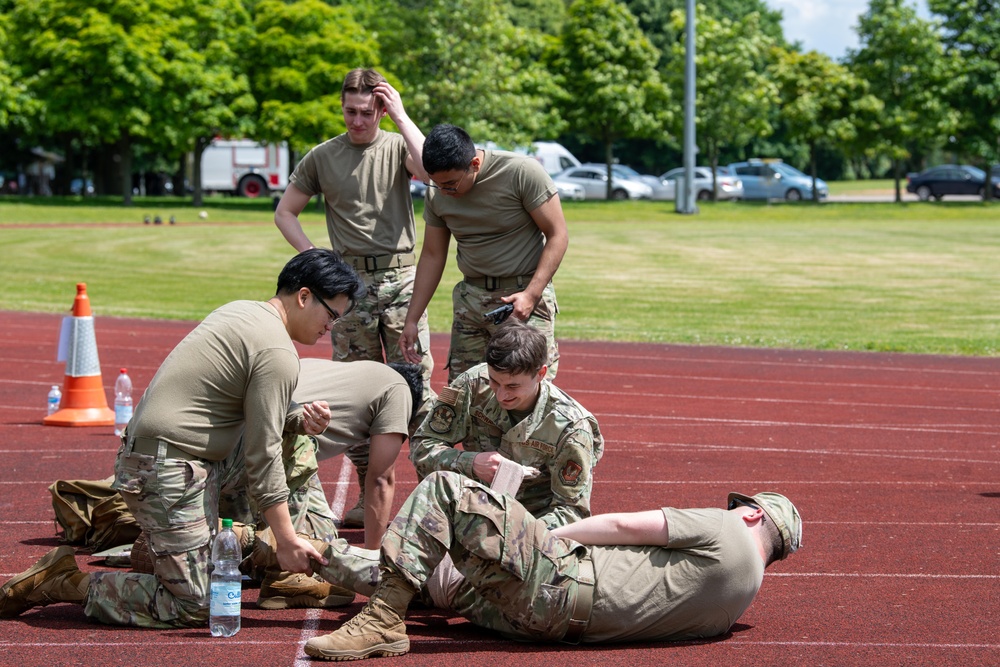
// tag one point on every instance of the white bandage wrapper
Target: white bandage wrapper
(444, 583)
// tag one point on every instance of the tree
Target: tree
(734, 95)
(204, 91)
(972, 28)
(820, 101)
(297, 63)
(608, 69)
(907, 68)
(464, 62)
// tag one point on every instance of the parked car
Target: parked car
(570, 191)
(594, 180)
(728, 186)
(773, 179)
(624, 171)
(79, 186)
(950, 179)
(417, 188)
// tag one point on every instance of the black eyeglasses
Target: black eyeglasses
(736, 502)
(334, 315)
(450, 188)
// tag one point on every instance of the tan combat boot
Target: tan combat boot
(355, 517)
(290, 590)
(54, 578)
(378, 630)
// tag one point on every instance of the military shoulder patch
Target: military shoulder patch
(448, 395)
(570, 473)
(442, 418)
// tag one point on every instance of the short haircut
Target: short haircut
(446, 148)
(324, 272)
(517, 348)
(775, 540)
(413, 375)
(361, 81)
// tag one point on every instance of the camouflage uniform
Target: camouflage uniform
(560, 438)
(175, 501)
(376, 322)
(520, 580)
(470, 332)
(307, 506)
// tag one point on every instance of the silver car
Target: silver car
(728, 186)
(570, 191)
(594, 180)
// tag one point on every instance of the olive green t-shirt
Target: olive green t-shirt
(696, 586)
(492, 223)
(366, 398)
(235, 371)
(367, 192)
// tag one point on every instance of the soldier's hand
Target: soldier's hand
(485, 466)
(408, 344)
(390, 99)
(524, 304)
(315, 417)
(295, 556)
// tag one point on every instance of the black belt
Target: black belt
(492, 283)
(151, 447)
(372, 263)
(580, 617)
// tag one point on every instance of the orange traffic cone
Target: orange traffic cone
(84, 402)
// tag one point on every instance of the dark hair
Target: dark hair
(517, 348)
(413, 374)
(776, 541)
(447, 147)
(361, 81)
(324, 272)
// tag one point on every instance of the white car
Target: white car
(570, 191)
(660, 191)
(594, 181)
(727, 185)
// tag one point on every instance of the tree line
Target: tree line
(120, 86)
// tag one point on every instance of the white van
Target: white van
(554, 157)
(244, 167)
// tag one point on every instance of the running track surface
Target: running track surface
(893, 461)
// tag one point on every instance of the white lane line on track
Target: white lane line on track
(310, 625)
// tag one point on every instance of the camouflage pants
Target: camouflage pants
(176, 504)
(310, 513)
(520, 580)
(470, 332)
(372, 329)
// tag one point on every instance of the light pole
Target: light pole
(685, 199)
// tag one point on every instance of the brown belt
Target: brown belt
(372, 263)
(492, 283)
(151, 447)
(580, 617)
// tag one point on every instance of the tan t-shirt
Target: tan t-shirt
(492, 223)
(366, 398)
(696, 586)
(235, 371)
(367, 192)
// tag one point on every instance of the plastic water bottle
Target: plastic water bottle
(123, 401)
(54, 397)
(224, 619)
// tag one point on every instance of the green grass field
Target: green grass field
(913, 278)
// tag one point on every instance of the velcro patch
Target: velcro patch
(541, 446)
(479, 415)
(442, 418)
(448, 395)
(570, 473)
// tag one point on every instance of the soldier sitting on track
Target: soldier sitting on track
(659, 575)
(505, 409)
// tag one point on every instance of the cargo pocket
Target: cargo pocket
(486, 537)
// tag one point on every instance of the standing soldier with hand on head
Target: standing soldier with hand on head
(364, 178)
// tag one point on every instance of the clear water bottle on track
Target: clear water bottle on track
(55, 396)
(123, 401)
(227, 582)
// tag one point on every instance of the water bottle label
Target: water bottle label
(123, 413)
(226, 596)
